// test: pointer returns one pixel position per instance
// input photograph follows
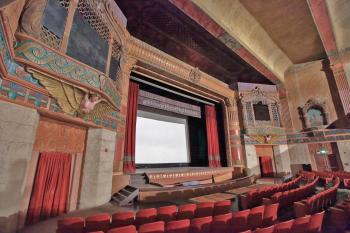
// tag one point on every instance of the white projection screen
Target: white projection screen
(161, 139)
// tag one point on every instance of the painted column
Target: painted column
(285, 118)
(126, 65)
(234, 132)
(333, 67)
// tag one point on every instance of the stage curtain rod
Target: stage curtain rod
(171, 91)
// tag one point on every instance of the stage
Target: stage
(165, 184)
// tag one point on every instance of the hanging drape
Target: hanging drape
(130, 136)
(51, 186)
(266, 165)
(212, 137)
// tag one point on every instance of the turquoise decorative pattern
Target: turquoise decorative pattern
(45, 58)
(50, 60)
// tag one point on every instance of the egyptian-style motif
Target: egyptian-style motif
(9, 88)
(73, 99)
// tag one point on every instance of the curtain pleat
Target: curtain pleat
(130, 136)
(51, 186)
(212, 137)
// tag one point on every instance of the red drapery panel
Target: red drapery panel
(212, 137)
(51, 186)
(266, 165)
(130, 136)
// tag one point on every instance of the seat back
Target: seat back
(123, 229)
(239, 221)
(98, 222)
(123, 219)
(284, 227)
(201, 225)
(166, 213)
(145, 216)
(269, 229)
(315, 224)
(204, 209)
(301, 224)
(153, 227)
(70, 225)
(178, 226)
(270, 214)
(186, 211)
(222, 207)
(255, 217)
(221, 223)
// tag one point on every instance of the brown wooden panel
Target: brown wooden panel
(58, 136)
(264, 150)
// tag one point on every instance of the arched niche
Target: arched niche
(314, 114)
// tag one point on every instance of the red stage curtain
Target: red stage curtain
(212, 137)
(266, 165)
(51, 186)
(129, 148)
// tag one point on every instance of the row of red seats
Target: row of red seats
(287, 198)
(306, 224)
(255, 197)
(317, 202)
(340, 216)
(219, 224)
(242, 220)
(328, 176)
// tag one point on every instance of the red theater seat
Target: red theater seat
(98, 222)
(270, 215)
(239, 221)
(201, 225)
(222, 207)
(221, 223)
(166, 213)
(255, 217)
(284, 227)
(186, 211)
(123, 219)
(269, 229)
(145, 216)
(178, 226)
(338, 219)
(300, 225)
(70, 225)
(315, 223)
(154, 227)
(124, 229)
(204, 209)
(95, 232)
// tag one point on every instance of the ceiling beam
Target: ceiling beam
(198, 15)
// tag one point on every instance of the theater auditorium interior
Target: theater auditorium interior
(174, 116)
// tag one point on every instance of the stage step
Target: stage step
(126, 196)
(137, 179)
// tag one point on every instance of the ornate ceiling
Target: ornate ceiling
(162, 25)
(290, 25)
